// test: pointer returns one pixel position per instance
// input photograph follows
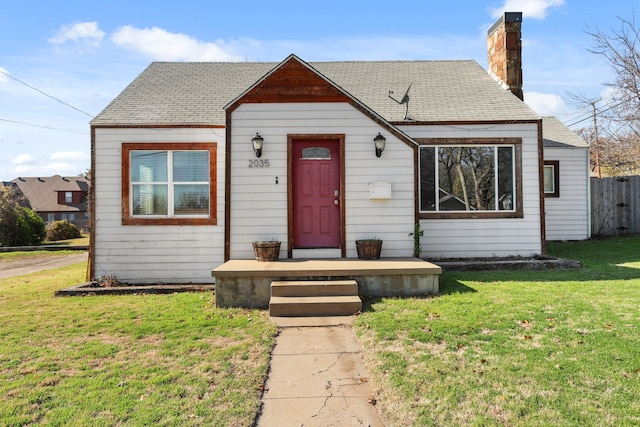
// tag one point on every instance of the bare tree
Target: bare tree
(621, 49)
(615, 135)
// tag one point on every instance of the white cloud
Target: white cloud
(69, 155)
(536, 9)
(60, 168)
(81, 33)
(22, 159)
(46, 169)
(545, 104)
(65, 164)
(165, 46)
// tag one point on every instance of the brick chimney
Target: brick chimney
(504, 51)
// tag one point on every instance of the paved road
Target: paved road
(35, 263)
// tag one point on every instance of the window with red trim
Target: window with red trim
(169, 183)
(470, 178)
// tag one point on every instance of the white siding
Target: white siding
(259, 205)
(447, 238)
(148, 254)
(152, 254)
(567, 217)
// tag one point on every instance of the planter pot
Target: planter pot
(266, 251)
(369, 249)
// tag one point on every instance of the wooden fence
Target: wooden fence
(615, 206)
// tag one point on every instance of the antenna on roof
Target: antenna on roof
(404, 100)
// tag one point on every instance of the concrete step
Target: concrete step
(314, 306)
(313, 288)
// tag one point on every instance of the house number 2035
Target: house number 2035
(259, 163)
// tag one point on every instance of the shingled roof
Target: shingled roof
(195, 93)
(42, 192)
(556, 134)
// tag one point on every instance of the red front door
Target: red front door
(316, 193)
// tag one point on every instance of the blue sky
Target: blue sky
(59, 54)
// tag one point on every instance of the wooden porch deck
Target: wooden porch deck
(246, 283)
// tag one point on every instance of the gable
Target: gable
(292, 81)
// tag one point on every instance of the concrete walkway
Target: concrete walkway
(317, 376)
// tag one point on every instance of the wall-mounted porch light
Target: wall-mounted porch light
(379, 142)
(257, 144)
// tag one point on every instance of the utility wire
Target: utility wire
(44, 93)
(584, 116)
(42, 126)
(590, 115)
(587, 115)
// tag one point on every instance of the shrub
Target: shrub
(62, 230)
(19, 226)
(9, 230)
(32, 227)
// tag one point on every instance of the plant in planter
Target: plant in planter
(267, 250)
(369, 248)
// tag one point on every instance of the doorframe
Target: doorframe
(297, 137)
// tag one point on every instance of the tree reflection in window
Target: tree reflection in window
(469, 178)
(191, 200)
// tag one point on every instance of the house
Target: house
(193, 162)
(566, 182)
(56, 197)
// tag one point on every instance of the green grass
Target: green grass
(516, 348)
(126, 360)
(80, 241)
(13, 256)
(495, 348)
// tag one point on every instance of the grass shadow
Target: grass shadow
(450, 286)
(447, 287)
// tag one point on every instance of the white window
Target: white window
(170, 183)
(68, 197)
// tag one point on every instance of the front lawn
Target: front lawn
(495, 348)
(515, 348)
(126, 360)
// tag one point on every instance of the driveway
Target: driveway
(35, 263)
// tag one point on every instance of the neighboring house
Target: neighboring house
(11, 187)
(56, 197)
(566, 182)
(192, 162)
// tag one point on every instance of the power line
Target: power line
(609, 103)
(43, 127)
(44, 93)
(590, 115)
(584, 116)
